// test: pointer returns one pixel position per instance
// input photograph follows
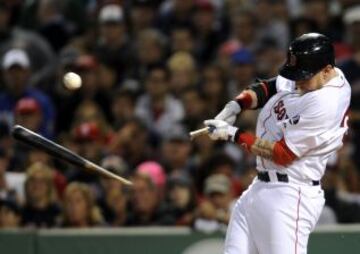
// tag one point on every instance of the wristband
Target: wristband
(244, 100)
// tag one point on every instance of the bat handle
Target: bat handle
(200, 132)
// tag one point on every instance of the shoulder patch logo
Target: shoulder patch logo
(294, 120)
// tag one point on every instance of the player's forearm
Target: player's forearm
(278, 152)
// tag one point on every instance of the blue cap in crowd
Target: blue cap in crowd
(242, 56)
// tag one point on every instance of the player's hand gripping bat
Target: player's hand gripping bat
(33, 139)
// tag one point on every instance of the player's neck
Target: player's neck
(316, 82)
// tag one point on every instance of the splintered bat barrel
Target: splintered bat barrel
(33, 139)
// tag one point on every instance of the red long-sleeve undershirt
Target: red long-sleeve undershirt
(281, 153)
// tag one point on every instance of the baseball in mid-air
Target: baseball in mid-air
(72, 81)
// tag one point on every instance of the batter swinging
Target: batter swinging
(301, 124)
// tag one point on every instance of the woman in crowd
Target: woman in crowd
(41, 208)
(80, 210)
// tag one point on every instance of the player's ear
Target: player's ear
(329, 68)
(326, 71)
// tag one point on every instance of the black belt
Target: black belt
(264, 177)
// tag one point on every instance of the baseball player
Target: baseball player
(301, 124)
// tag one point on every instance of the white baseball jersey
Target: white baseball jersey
(312, 125)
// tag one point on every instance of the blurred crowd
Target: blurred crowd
(152, 70)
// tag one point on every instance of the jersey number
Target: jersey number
(280, 110)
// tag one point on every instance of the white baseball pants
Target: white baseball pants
(274, 218)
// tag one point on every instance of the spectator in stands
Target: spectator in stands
(203, 149)
(175, 152)
(182, 40)
(107, 79)
(146, 206)
(301, 25)
(183, 75)
(319, 12)
(207, 31)
(113, 196)
(214, 87)
(223, 57)
(181, 200)
(269, 58)
(41, 56)
(177, 14)
(18, 157)
(341, 187)
(80, 210)
(243, 71)
(118, 204)
(41, 208)
(38, 156)
(243, 74)
(87, 67)
(16, 68)
(159, 110)
(223, 164)
(151, 50)
(28, 114)
(6, 141)
(244, 28)
(10, 214)
(272, 21)
(214, 211)
(11, 183)
(195, 107)
(52, 24)
(132, 142)
(155, 172)
(142, 15)
(89, 111)
(122, 107)
(113, 47)
(6, 192)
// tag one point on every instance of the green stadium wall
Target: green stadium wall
(328, 240)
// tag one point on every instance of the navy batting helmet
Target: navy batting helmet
(307, 55)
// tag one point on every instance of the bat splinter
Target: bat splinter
(35, 140)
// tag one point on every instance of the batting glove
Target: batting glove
(229, 112)
(220, 130)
